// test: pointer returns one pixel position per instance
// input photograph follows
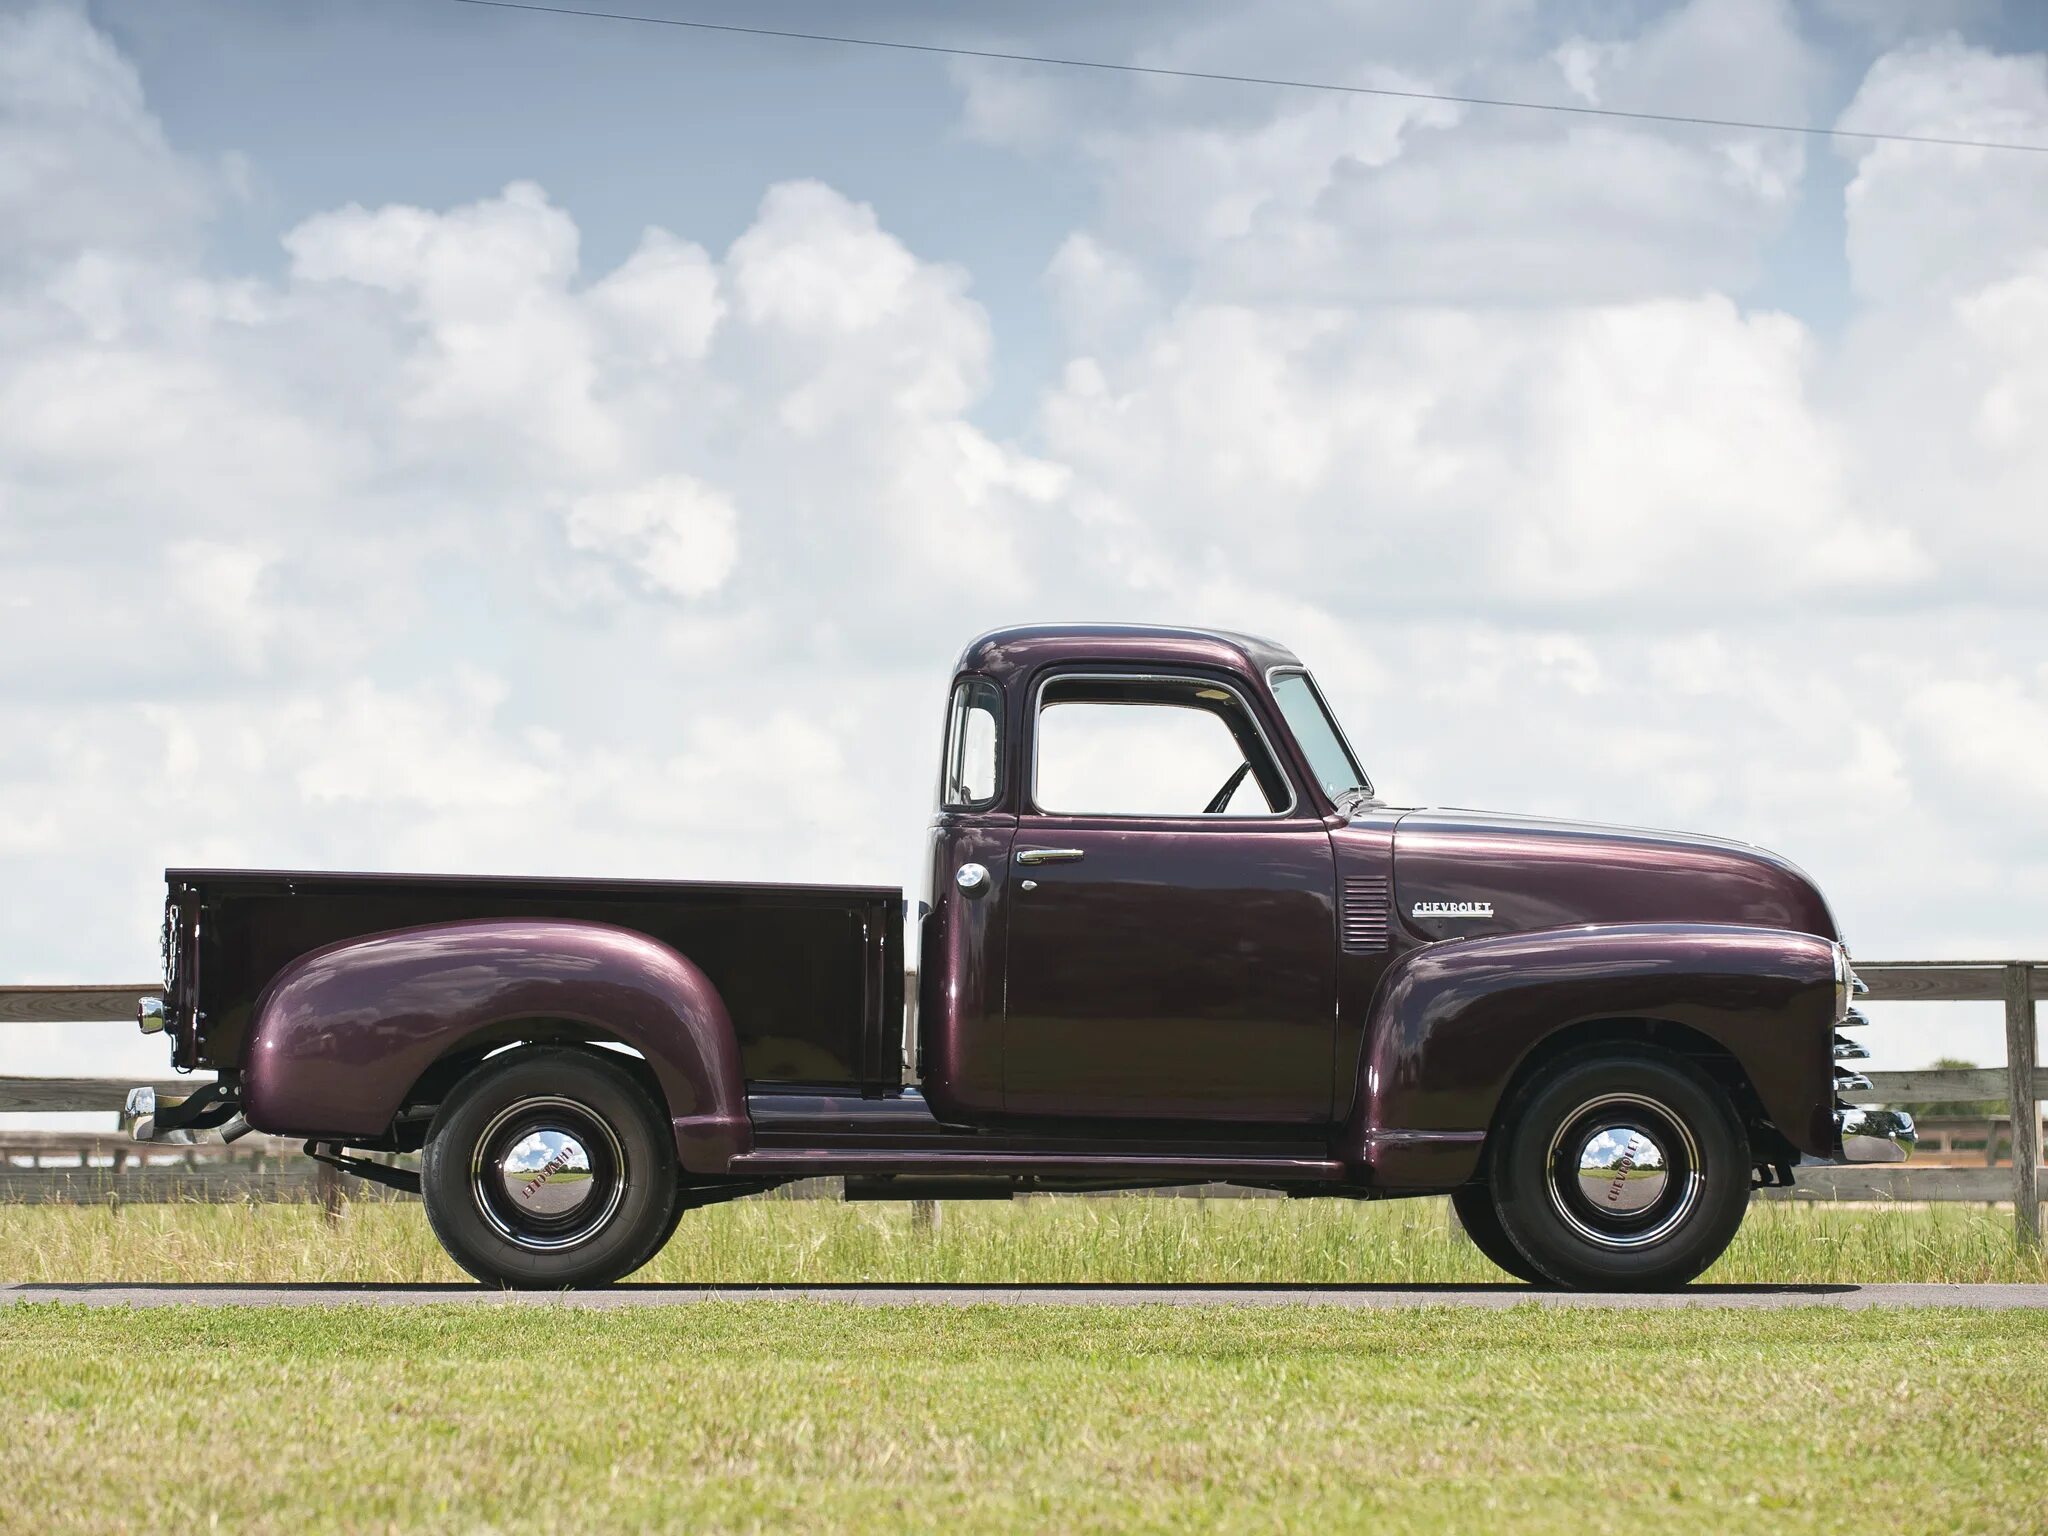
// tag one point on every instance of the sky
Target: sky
(437, 437)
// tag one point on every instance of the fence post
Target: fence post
(327, 1182)
(924, 1216)
(2026, 1114)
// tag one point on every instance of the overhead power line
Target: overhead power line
(1268, 80)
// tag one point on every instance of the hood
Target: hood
(1463, 874)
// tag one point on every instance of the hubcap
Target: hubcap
(1621, 1170)
(548, 1173)
(1624, 1171)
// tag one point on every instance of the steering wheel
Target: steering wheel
(1222, 796)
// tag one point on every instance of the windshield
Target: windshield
(1315, 729)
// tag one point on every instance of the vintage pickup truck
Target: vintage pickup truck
(1172, 936)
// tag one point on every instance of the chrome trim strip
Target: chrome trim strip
(956, 723)
(1851, 1082)
(1855, 1018)
(1200, 679)
(1849, 1050)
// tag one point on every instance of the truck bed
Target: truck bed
(811, 975)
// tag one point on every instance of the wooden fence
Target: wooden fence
(2021, 1083)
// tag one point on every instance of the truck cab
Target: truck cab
(1134, 890)
(1170, 935)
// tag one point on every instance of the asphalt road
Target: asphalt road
(1734, 1297)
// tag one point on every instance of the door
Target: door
(1172, 927)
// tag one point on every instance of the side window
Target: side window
(968, 778)
(1108, 746)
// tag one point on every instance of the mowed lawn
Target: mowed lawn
(815, 1416)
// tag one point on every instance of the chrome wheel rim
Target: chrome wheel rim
(1623, 1171)
(548, 1173)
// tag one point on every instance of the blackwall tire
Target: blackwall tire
(549, 1169)
(1476, 1214)
(1622, 1171)
(680, 1207)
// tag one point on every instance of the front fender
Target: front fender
(341, 1034)
(1453, 1022)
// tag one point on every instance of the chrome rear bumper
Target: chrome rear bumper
(1875, 1135)
(211, 1112)
(138, 1117)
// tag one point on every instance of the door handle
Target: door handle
(1049, 855)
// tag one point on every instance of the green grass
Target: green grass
(1136, 1239)
(776, 1415)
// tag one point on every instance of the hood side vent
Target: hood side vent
(1363, 917)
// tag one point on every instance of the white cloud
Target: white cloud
(1892, 22)
(1286, 196)
(68, 99)
(1102, 294)
(1926, 221)
(676, 531)
(1991, 734)
(1631, 455)
(432, 749)
(848, 319)
(1943, 360)
(664, 299)
(498, 345)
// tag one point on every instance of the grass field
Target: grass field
(1134, 1239)
(776, 1415)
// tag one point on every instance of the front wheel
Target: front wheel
(1623, 1171)
(547, 1169)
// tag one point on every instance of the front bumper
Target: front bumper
(1875, 1135)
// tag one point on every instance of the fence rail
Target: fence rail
(2021, 1083)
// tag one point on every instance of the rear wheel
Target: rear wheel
(1621, 1171)
(549, 1168)
(1476, 1214)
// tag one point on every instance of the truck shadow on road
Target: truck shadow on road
(1086, 1293)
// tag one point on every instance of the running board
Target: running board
(824, 1162)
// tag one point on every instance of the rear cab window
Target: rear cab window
(970, 776)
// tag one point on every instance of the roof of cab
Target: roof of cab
(1008, 653)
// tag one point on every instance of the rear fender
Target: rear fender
(1453, 1022)
(341, 1035)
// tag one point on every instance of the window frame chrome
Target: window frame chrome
(995, 796)
(1292, 811)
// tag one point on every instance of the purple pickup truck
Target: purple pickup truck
(1171, 936)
